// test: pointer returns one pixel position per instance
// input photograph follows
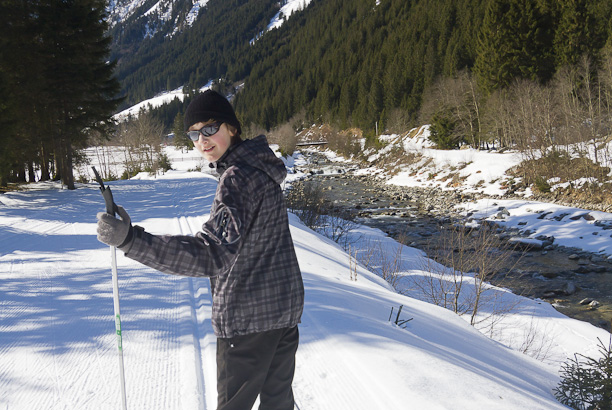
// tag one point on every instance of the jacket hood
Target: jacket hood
(255, 153)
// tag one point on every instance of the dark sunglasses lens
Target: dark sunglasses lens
(211, 129)
(206, 131)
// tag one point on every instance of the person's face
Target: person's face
(212, 147)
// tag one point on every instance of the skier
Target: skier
(246, 250)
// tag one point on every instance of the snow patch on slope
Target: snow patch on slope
(158, 100)
(286, 10)
(290, 7)
(195, 10)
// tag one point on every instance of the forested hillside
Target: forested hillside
(366, 62)
(356, 62)
(350, 58)
(219, 38)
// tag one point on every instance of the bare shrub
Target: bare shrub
(459, 100)
(141, 139)
(336, 225)
(536, 342)
(464, 260)
(498, 119)
(347, 142)
(583, 92)
(104, 155)
(398, 121)
(382, 262)
(353, 263)
(306, 201)
(285, 137)
(390, 265)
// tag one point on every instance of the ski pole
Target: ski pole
(111, 208)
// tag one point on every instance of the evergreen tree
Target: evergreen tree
(57, 83)
(336, 49)
(442, 131)
(586, 382)
(78, 86)
(514, 42)
(181, 140)
(19, 78)
(579, 31)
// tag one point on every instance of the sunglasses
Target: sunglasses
(206, 131)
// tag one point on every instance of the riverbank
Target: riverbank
(576, 282)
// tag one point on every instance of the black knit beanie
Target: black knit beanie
(210, 105)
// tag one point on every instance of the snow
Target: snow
(571, 227)
(157, 101)
(195, 11)
(161, 12)
(483, 171)
(121, 10)
(290, 7)
(287, 9)
(58, 344)
(480, 170)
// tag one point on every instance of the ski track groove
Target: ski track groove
(43, 277)
(185, 228)
(206, 376)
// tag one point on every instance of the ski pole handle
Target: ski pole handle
(111, 207)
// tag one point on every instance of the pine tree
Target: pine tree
(78, 90)
(514, 42)
(18, 82)
(181, 140)
(578, 32)
(586, 382)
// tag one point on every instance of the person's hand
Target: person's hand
(113, 231)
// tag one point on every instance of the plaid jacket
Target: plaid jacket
(245, 247)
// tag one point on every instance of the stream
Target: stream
(577, 283)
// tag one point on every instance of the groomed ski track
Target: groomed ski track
(58, 315)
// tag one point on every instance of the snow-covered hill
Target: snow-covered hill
(180, 14)
(58, 347)
(469, 169)
(155, 13)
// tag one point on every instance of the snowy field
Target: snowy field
(58, 346)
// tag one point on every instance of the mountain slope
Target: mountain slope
(156, 52)
(348, 59)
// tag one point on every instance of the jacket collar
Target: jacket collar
(224, 162)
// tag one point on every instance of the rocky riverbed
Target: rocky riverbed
(577, 283)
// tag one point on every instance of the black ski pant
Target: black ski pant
(259, 364)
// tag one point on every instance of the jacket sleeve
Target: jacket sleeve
(211, 252)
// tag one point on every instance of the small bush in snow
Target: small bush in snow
(586, 382)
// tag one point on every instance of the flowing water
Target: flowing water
(566, 278)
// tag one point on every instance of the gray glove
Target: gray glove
(113, 231)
